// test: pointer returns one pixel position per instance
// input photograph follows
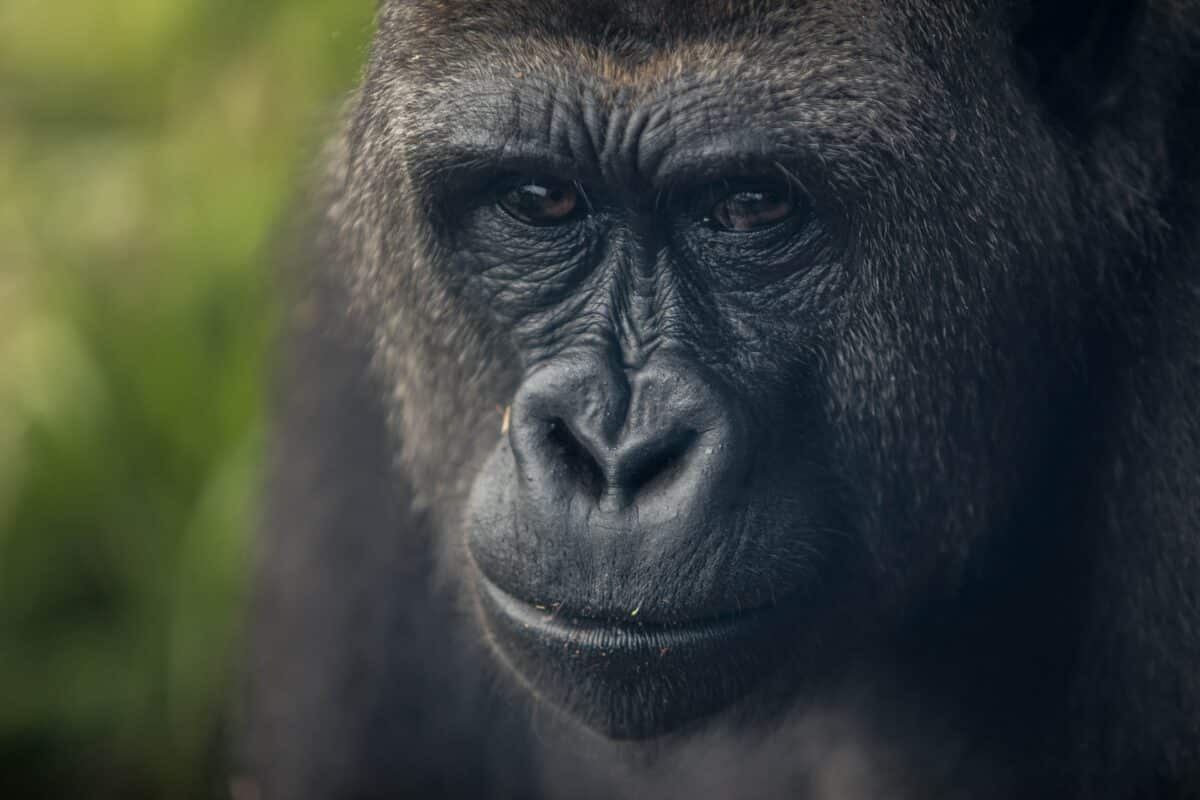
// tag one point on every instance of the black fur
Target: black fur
(958, 393)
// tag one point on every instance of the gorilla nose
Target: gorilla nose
(635, 463)
(660, 440)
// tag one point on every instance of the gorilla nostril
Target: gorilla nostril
(657, 464)
(577, 458)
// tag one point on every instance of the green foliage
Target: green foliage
(149, 153)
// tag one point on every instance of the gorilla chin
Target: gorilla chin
(628, 679)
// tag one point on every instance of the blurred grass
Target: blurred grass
(149, 152)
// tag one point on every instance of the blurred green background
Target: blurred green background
(150, 153)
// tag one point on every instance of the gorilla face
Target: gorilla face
(649, 509)
(777, 325)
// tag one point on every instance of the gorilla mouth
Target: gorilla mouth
(612, 635)
(629, 679)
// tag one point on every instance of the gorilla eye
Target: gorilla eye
(750, 209)
(540, 202)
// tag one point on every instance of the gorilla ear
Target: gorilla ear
(1077, 53)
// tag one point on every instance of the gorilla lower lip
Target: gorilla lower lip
(630, 679)
(613, 635)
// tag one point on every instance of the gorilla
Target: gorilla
(744, 398)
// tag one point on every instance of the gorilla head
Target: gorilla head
(764, 353)
(726, 348)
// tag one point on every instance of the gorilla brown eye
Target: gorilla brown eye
(541, 202)
(751, 209)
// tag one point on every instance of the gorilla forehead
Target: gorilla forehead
(649, 132)
(839, 95)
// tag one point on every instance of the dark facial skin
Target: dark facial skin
(696, 401)
(654, 499)
(670, 493)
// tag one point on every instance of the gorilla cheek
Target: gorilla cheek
(492, 526)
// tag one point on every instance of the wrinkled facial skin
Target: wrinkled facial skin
(753, 372)
(660, 487)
